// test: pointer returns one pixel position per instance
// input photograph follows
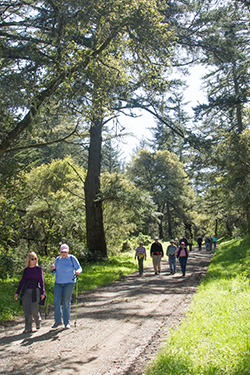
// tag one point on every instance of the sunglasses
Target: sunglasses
(33, 258)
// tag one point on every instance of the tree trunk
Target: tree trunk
(161, 228)
(96, 242)
(216, 228)
(238, 103)
(169, 221)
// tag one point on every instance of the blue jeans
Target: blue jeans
(62, 292)
(172, 263)
(183, 263)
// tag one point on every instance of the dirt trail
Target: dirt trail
(120, 327)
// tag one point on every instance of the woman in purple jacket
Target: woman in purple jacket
(32, 286)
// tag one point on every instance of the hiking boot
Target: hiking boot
(27, 331)
(57, 324)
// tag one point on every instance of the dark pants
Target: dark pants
(31, 309)
(140, 263)
(183, 263)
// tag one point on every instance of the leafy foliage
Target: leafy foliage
(127, 209)
(164, 177)
(52, 207)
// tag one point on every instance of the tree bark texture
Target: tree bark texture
(96, 242)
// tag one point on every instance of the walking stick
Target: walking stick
(47, 299)
(76, 276)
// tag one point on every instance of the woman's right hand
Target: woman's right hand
(15, 296)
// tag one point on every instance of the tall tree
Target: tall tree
(163, 175)
(51, 50)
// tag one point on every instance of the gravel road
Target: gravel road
(120, 327)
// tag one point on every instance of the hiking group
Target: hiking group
(67, 268)
(177, 249)
(32, 293)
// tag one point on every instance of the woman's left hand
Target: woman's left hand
(42, 296)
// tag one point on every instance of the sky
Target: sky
(140, 126)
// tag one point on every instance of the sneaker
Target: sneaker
(67, 326)
(57, 324)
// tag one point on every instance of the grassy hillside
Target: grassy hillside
(215, 336)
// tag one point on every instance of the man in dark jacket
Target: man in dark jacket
(156, 253)
(185, 240)
(199, 241)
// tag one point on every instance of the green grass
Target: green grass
(93, 276)
(9, 308)
(214, 338)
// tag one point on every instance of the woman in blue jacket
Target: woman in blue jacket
(66, 268)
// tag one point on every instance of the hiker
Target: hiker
(31, 287)
(190, 243)
(208, 243)
(182, 254)
(66, 268)
(171, 249)
(156, 253)
(183, 239)
(140, 253)
(199, 241)
(215, 242)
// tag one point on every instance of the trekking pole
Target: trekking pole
(76, 276)
(47, 300)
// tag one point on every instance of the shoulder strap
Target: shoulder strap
(72, 261)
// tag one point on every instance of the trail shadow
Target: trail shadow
(118, 300)
(36, 366)
(28, 338)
